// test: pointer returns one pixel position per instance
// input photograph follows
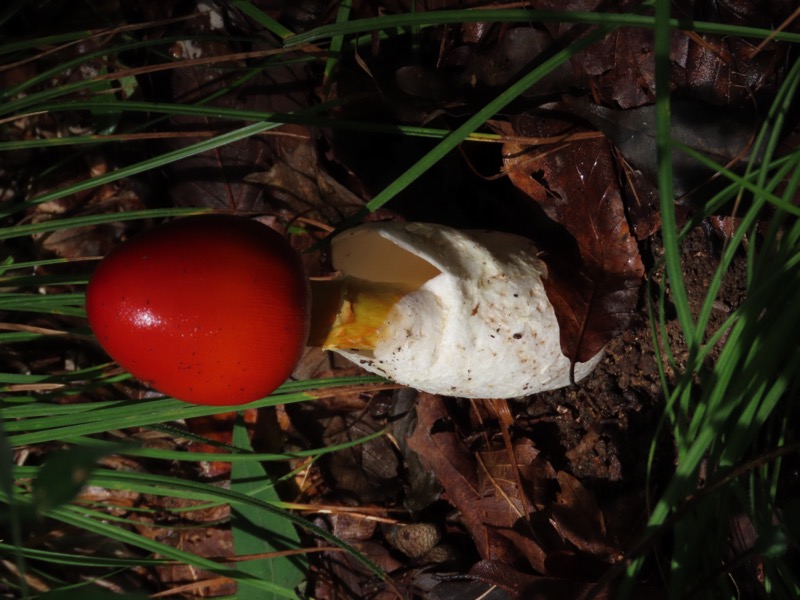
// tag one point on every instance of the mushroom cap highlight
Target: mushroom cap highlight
(210, 309)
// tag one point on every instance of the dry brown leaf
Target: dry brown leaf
(92, 240)
(621, 67)
(492, 509)
(594, 293)
(723, 69)
(368, 471)
(205, 542)
(523, 586)
(297, 181)
(219, 428)
(216, 178)
(578, 519)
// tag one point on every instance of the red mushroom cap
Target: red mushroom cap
(208, 309)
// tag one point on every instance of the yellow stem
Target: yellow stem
(349, 312)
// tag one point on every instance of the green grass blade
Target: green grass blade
(442, 17)
(260, 532)
(262, 18)
(458, 135)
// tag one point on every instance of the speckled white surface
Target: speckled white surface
(480, 328)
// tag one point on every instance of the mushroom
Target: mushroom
(215, 310)
(468, 314)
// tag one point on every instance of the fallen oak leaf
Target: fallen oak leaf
(576, 516)
(722, 134)
(594, 290)
(487, 516)
(524, 586)
(620, 67)
(724, 70)
(544, 521)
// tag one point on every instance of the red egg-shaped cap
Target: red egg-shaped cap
(209, 309)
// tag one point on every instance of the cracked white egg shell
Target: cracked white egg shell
(479, 323)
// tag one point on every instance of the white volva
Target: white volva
(479, 324)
